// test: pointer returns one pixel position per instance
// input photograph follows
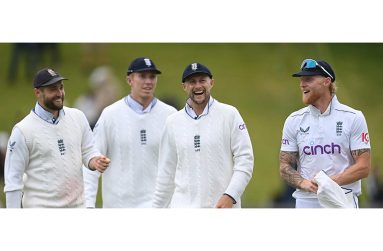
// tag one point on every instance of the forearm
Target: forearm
(287, 164)
(357, 171)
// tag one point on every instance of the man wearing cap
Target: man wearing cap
(326, 135)
(206, 157)
(129, 132)
(47, 149)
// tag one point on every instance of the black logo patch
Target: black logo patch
(197, 143)
(339, 128)
(143, 137)
(61, 146)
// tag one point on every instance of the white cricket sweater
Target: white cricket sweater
(53, 175)
(200, 159)
(131, 141)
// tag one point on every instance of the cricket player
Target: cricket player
(46, 151)
(206, 157)
(129, 131)
(326, 135)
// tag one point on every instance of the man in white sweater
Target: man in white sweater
(129, 132)
(46, 151)
(206, 157)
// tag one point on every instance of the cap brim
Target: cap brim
(196, 72)
(53, 81)
(149, 69)
(307, 73)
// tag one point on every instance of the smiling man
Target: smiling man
(206, 157)
(326, 135)
(47, 149)
(129, 132)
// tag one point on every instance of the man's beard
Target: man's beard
(53, 106)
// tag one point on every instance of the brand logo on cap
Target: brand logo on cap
(52, 72)
(194, 66)
(147, 62)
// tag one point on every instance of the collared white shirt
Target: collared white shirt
(47, 116)
(137, 107)
(325, 141)
(189, 110)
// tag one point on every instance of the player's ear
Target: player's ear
(212, 82)
(327, 82)
(37, 92)
(183, 86)
(129, 79)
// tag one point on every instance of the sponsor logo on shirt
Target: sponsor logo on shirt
(12, 146)
(322, 149)
(304, 131)
(365, 137)
(242, 127)
(285, 142)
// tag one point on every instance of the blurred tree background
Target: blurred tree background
(254, 77)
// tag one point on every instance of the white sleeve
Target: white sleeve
(100, 132)
(243, 158)
(90, 186)
(91, 178)
(88, 147)
(16, 161)
(167, 164)
(13, 199)
(289, 140)
(360, 138)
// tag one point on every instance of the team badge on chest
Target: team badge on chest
(339, 128)
(197, 143)
(61, 146)
(143, 137)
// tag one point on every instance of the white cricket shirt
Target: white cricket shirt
(325, 141)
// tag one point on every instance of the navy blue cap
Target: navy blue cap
(324, 69)
(195, 68)
(46, 77)
(142, 64)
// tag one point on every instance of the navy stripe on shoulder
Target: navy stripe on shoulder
(344, 111)
(300, 114)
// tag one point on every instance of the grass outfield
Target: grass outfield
(256, 78)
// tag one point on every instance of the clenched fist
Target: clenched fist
(99, 163)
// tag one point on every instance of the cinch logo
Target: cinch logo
(285, 142)
(319, 149)
(242, 127)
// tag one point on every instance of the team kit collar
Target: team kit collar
(189, 110)
(137, 107)
(333, 104)
(47, 116)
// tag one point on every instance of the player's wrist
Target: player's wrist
(228, 195)
(91, 165)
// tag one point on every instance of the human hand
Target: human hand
(309, 186)
(224, 202)
(99, 163)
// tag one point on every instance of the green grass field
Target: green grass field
(256, 78)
